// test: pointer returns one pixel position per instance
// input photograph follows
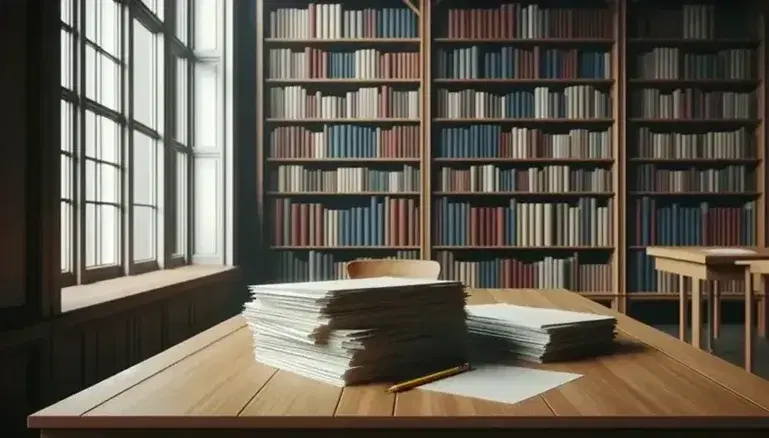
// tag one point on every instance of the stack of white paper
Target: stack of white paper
(537, 334)
(354, 331)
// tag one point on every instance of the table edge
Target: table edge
(427, 422)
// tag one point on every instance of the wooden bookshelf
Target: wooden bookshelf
(541, 131)
(695, 149)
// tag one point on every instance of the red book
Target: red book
(402, 218)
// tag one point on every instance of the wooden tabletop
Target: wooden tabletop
(707, 255)
(212, 381)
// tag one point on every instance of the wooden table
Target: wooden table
(697, 263)
(212, 381)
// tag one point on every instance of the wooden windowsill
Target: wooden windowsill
(123, 292)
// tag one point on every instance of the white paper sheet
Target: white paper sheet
(728, 251)
(533, 317)
(501, 383)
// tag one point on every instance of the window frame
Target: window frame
(166, 256)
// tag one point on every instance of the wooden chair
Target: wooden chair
(393, 268)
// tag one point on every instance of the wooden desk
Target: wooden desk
(212, 381)
(698, 264)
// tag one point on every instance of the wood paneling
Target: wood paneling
(45, 363)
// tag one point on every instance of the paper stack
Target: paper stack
(537, 334)
(354, 331)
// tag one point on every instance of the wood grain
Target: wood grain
(212, 381)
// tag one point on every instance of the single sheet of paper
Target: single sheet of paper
(728, 251)
(501, 383)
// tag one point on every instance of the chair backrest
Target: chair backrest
(393, 268)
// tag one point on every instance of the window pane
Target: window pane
(182, 205)
(182, 100)
(144, 169)
(102, 138)
(66, 237)
(103, 25)
(182, 20)
(144, 233)
(205, 105)
(102, 230)
(109, 183)
(67, 60)
(67, 8)
(90, 180)
(148, 72)
(102, 79)
(67, 126)
(66, 177)
(205, 30)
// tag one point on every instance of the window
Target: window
(127, 111)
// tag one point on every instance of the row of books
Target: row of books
(495, 141)
(295, 178)
(344, 141)
(312, 265)
(500, 272)
(313, 63)
(480, 62)
(674, 63)
(297, 102)
(374, 221)
(545, 179)
(650, 178)
(692, 104)
(528, 21)
(574, 102)
(656, 222)
(693, 21)
(583, 222)
(732, 144)
(643, 277)
(337, 21)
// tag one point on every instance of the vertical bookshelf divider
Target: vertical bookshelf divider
(762, 177)
(426, 7)
(619, 67)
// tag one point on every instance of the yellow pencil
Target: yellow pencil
(405, 386)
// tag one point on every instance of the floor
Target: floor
(730, 346)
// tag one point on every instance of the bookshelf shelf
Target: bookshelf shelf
(546, 153)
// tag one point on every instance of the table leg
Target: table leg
(683, 309)
(749, 323)
(763, 307)
(716, 316)
(696, 314)
(711, 325)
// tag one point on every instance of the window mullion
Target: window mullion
(169, 172)
(79, 146)
(189, 193)
(128, 165)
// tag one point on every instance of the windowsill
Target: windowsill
(137, 289)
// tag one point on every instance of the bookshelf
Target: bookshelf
(543, 154)
(695, 134)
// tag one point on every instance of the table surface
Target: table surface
(212, 381)
(705, 255)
